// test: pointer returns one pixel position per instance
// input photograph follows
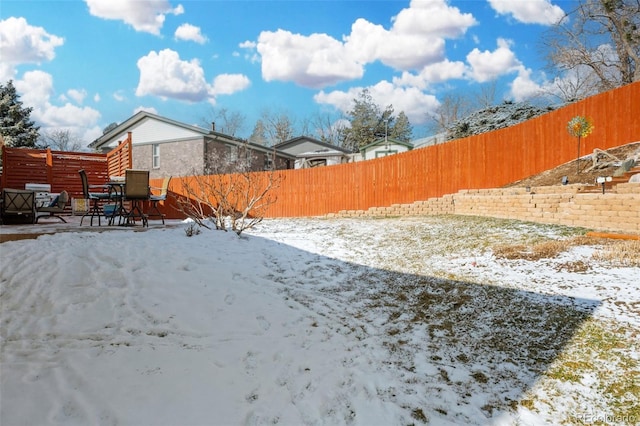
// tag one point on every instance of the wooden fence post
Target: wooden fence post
(49, 163)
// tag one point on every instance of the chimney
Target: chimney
(213, 126)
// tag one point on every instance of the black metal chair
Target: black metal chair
(56, 208)
(94, 197)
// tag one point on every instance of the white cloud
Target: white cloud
(36, 88)
(432, 74)
(152, 110)
(96, 97)
(529, 11)
(190, 32)
(319, 60)
(77, 95)
(368, 43)
(164, 74)
(119, 96)
(523, 87)
(433, 19)
(22, 43)
(227, 84)
(415, 103)
(314, 61)
(146, 16)
(486, 66)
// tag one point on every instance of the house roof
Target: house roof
(323, 153)
(206, 133)
(136, 118)
(389, 141)
(294, 141)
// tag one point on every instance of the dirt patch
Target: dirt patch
(554, 176)
(15, 237)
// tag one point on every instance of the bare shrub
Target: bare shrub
(234, 198)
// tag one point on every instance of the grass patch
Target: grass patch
(620, 253)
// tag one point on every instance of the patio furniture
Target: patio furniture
(116, 209)
(136, 190)
(18, 203)
(56, 208)
(94, 197)
(155, 198)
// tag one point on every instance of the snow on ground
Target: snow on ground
(313, 321)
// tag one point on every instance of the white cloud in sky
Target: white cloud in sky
(188, 32)
(415, 103)
(432, 74)
(486, 66)
(523, 87)
(119, 96)
(145, 16)
(36, 88)
(152, 110)
(77, 95)
(227, 84)
(401, 50)
(164, 74)
(23, 43)
(529, 11)
(319, 60)
(444, 21)
(310, 61)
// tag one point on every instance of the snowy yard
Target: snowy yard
(317, 321)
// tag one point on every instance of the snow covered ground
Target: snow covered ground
(315, 321)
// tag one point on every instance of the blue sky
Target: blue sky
(83, 64)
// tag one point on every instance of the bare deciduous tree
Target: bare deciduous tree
(602, 36)
(60, 140)
(236, 200)
(278, 126)
(452, 108)
(226, 121)
(328, 128)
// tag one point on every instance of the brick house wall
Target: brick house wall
(179, 158)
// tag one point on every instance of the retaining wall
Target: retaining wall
(569, 205)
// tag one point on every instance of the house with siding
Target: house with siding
(167, 147)
(310, 152)
(383, 147)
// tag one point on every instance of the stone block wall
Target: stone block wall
(571, 205)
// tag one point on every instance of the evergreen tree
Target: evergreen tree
(402, 129)
(369, 123)
(15, 125)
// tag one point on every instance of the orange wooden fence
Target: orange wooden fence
(484, 161)
(60, 168)
(119, 159)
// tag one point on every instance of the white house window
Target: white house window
(156, 156)
(232, 154)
